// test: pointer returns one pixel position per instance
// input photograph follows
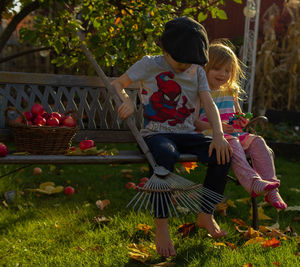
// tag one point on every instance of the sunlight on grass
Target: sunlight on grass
(61, 230)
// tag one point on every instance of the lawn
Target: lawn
(61, 230)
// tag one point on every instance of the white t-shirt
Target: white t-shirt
(169, 99)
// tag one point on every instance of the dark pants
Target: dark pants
(166, 149)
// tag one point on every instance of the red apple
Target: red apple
(37, 171)
(144, 180)
(45, 115)
(52, 121)
(69, 122)
(3, 150)
(37, 109)
(83, 145)
(39, 121)
(130, 185)
(69, 190)
(57, 116)
(28, 115)
(141, 184)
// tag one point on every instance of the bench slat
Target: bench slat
(123, 157)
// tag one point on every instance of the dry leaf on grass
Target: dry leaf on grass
(138, 252)
(185, 229)
(255, 240)
(271, 243)
(189, 165)
(101, 204)
(239, 221)
(145, 228)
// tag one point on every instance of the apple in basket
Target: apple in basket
(37, 109)
(57, 116)
(28, 115)
(83, 145)
(69, 121)
(39, 121)
(52, 121)
(3, 150)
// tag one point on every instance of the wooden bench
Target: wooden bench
(98, 119)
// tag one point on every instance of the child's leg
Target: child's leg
(164, 245)
(263, 163)
(215, 180)
(246, 175)
(165, 153)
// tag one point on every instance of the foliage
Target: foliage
(118, 32)
(281, 132)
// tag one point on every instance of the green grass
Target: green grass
(58, 230)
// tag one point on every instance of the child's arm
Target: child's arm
(219, 143)
(199, 124)
(126, 109)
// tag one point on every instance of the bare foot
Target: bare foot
(163, 242)
(208, 222)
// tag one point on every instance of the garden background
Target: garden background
(37, 229)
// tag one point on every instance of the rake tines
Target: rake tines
(173, 193)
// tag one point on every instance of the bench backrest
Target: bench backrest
(86, 95)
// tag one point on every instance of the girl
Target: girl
(172, 83)
(223, 72)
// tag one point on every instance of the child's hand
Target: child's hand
(227, 128)
(126, 109)
(222, 147)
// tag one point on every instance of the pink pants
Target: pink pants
(262, 162)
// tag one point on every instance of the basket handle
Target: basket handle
(18, 111)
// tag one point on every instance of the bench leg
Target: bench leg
(254, 213)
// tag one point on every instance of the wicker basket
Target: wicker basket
(41, 140)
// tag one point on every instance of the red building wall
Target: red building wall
(233, 27)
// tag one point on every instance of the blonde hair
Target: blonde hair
(220, 53)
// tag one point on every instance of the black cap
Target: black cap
(186, 41)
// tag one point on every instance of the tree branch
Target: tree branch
(23, 53)
(15, 21)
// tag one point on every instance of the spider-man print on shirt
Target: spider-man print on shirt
(163, 104)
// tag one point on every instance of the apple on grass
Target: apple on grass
(86, 144)
(144, 180)
(37, 171)
(69, 190)
(3, 150)
(130, 185)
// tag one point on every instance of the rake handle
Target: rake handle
(112, 90)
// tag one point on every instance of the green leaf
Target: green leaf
(238, 1)
(202, 17)
(221, 14)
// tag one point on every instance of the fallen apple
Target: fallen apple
(52, 121)
(69, 121)
(3, 150)
(131, 185)
(144, 180)
(37, 171)
(37, 109)
(83, 145)
(69, 190)
(141, 184)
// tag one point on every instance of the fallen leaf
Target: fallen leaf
(101, 204)
(247, 265)
(221, 208)
(255, 240)
(145, 228)
(231, 245)
(239, 221)
(165, 263)
(144, 169)
(231, 203)
(251, 233)
(276, 263)
(124, 171)
(186, 228)
(219, 244)
(189, 165)
(245, 200)
(138, 252)
(271, 243)
(295, 190)
(100, 219)
(293, 208)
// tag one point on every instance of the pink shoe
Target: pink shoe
(275, 200)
